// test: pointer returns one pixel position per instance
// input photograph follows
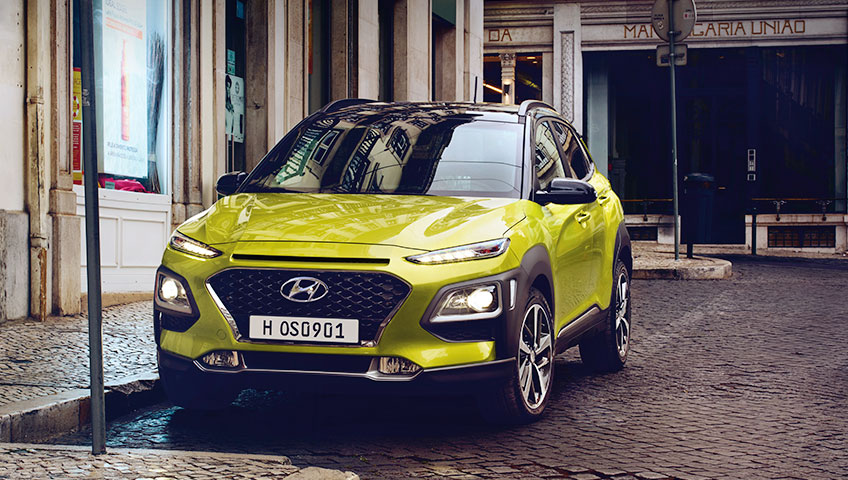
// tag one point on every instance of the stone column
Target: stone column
(368, 50)
(412, 50)
(568, 63)
(54, 230)
(473, 50)
(508, 77)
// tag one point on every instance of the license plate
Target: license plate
(301, 329)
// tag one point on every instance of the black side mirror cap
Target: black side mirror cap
(567, 191)
(228, 183)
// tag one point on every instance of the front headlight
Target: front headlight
(475, 302)
(191, 246)
(172, 293)
(475, 251)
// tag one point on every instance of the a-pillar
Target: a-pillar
(508, 77)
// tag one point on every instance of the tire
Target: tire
(189, 392)
(607, 351)
(525, 395)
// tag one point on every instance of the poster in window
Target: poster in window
(122, 97)
(76, 125)
(234, 102)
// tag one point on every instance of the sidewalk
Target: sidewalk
(20, 461)
(44, 370)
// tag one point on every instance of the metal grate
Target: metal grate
(370, 297)
(800, 236)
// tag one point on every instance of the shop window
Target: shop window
(492, 88)
(528, 77)
(132, 91)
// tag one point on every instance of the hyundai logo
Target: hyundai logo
(304, 289)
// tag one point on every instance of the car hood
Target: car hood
(409, 221)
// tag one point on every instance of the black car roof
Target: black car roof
(354, 107)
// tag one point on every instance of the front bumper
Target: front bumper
(466, 378)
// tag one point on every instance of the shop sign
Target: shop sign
(751, 28)
(234, 103)
(123, 68)
(519, 36)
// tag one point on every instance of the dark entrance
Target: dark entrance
(779, 101)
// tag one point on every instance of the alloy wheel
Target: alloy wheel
(622, 318)
(535, 356)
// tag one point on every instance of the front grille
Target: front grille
(306, 362)
(370, 297)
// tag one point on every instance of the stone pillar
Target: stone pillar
(548, 78)
(368, 53)
(14, 221)
(568, 63)
(54, 228)
(508, 77)
(256, 82)
(187, 172)
(412, 50)
(296, 93)
(473, 50)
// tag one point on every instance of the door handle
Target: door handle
(582, 217)
(603, 199)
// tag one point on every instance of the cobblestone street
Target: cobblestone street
(743, 378)
(44, 358)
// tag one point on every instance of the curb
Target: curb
(703, 268)
(40, 419)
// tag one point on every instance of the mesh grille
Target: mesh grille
(369, 297)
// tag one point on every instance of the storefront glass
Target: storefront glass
(132, 92)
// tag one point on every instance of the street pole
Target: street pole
(92, 231)
(671, 61)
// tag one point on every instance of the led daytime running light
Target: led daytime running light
(188, 245)
(476, 251)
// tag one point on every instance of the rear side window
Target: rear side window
(574, 156)
(547, 158)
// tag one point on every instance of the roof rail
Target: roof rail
(528, 104)
(345, 102)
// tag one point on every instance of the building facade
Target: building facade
(185, 90)
(761, 107)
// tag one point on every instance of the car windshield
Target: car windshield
(431, 152)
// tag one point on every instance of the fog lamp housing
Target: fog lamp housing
(222, 359)
(397, 366)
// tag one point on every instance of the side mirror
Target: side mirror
(567, 191)
(228, 183)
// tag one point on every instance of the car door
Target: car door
(569, 227)
(575, 155)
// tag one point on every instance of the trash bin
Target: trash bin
(697, 211)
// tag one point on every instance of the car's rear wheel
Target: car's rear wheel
(189, 392)
(524, 397)
(608, 350)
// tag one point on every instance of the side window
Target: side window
(570, 145)
(547, 158)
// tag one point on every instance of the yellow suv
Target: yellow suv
(424, 247)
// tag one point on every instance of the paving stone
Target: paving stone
(741, 378)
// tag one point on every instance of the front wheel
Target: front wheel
(608, 350)
(524, 397)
